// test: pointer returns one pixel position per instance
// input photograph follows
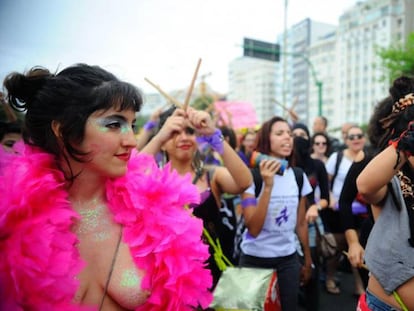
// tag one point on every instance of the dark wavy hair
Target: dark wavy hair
(68, 98)
(198, 158)
(10, 127)
(229, 133)
(377, 136)
(263, 137)
(396, 122)
(328, 141)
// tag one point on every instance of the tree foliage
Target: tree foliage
(141, 121)
(399, 59)
(202, 102)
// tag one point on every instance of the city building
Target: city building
(254, 80)
(326, 69)
(362, 30)
(297, 72)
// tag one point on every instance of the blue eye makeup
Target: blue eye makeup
(115, 123)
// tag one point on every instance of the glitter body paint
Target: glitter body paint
(95, 221)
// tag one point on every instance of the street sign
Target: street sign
(261, 49)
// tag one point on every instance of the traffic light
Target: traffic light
(261, 49)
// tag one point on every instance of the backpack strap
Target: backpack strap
(197, 176)
(339, 156)
(258, 181)
(299, 178)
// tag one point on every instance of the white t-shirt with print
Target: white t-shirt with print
(277, 237)
(342, 171)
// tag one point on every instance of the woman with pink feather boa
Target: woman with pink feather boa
(86, 223)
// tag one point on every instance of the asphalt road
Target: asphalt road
(345, 301)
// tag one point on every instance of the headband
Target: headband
(403, 103)
(399, 106)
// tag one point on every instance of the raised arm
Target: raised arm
(235, 176)
(255, 211)
(148, 129)
(373, 180)
(348, 195)
(175, 123)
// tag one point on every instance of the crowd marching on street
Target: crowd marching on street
(96, 214)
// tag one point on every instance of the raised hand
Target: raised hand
(201, 121)
(405, 142)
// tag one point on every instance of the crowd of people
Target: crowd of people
(99, 215)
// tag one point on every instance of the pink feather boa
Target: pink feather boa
(39, 259)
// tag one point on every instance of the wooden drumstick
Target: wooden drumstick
(171, 99)
(190, 90)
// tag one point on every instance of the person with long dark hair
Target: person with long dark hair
(318, 178)
(181, 134)
(278, 214)
(387, 182)
(86, 223)
(357, 224)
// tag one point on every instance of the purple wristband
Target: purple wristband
(150, 125)
(248, 202)
(215, 140)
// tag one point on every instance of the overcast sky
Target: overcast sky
(158, 39)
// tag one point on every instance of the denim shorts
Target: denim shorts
(376, 304)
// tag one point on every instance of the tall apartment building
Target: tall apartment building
(323, 56)
(362, 30)
(253, 80)
(344, 59)
(295, 77)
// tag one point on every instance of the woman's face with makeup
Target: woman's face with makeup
(182, 145)
(109, 140)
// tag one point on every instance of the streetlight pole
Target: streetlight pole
(285, 40)
(318, 83)
(272, 54)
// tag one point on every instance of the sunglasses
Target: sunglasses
(355, 136)
(320, 143)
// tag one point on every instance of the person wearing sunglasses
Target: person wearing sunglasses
(320, 145)
(318, 179)
(356, 214)
(337, 167)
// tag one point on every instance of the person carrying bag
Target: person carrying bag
(276, 215)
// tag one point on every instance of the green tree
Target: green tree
(398, 59)
(202, 102)
(141, 121)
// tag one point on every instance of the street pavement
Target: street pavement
(345, 301)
